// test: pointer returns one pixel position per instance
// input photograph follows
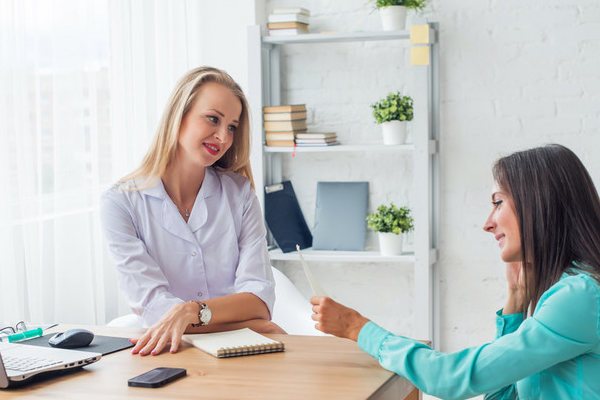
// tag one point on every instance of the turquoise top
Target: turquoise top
(554, 354)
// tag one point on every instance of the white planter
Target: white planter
(390, 244)
(393, 18)
(394, 132)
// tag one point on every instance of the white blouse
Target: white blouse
(161, 260)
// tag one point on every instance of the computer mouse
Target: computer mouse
(71, 338)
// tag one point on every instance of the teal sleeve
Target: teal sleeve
(564, 325)
(505, 324)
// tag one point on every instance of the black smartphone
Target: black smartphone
(157, 377)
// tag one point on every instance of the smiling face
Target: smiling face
(207, 129)
(503, 223)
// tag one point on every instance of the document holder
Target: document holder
(285, 219)
(341, 216)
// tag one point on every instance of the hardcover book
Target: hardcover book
(287, 25)
(284, 116)
(290, 17)
(284, 108)
(285, 125)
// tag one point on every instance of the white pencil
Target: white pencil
(314, 285)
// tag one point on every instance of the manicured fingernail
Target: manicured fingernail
(172, 350)
(153, 352)
(142, 353)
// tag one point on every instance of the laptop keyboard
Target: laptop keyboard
(25, 364)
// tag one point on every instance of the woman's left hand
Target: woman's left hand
(168, 329)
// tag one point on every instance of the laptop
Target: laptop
(20, 362)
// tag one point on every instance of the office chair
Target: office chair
(291, 312)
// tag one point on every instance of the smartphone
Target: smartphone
(157, 377)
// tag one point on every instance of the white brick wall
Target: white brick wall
(514, 75)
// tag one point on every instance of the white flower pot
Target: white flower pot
(390, 244)
(393, 18)
(394, 132)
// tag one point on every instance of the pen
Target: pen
(314, 285)
(22, 335)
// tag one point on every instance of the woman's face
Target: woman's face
(207, 129)
(503, 223)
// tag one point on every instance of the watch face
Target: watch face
(206, 315)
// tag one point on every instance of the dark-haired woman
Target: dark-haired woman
(546, 218)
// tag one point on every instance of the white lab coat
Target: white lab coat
(161, 260)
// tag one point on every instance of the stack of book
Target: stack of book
(288, 21)
(283, 123)
(307, 139)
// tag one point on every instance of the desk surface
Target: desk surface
(312, 367)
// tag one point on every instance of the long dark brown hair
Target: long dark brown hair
(558, 210)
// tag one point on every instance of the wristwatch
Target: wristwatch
(204, 315)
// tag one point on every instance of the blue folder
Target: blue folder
(285, 219)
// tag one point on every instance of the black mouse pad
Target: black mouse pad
(100, 344)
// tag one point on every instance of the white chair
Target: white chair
(291, 312)
(126, 321)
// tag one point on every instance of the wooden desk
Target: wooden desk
(312, 367)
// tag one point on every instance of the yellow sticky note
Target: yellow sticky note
(419, 34)
(419, 55)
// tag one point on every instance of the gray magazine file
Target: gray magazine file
(340, 216)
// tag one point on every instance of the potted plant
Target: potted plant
(392, 113)
(393, 12)
(389, 223)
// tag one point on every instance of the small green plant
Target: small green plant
(411, 4)
(391, 219)
(394, 107)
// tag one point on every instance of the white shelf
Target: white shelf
(265, 80)
(341, 256)
(340, 148)
(336, 37)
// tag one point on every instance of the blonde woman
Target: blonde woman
(185, 229)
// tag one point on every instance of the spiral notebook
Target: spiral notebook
(240, 342)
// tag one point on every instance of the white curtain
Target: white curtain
(82, 84)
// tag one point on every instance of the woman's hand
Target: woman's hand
(336, 319)
(516, 288)
(168, 329)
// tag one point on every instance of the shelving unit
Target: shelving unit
(264, 60)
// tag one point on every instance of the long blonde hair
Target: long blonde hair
(164, 144)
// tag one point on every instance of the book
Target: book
(289, 17)
(240, 342)
(283, 32)
(285, 125)
(284, 108)
(284, 116)
(316, 141)
(287, 25)
(281, 143)
(291, 10)
(279, 136)
(284, 217)
(317, 144)
(340, 216)
(316, 135)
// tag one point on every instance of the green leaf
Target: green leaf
(391, 219)
(395, 107)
